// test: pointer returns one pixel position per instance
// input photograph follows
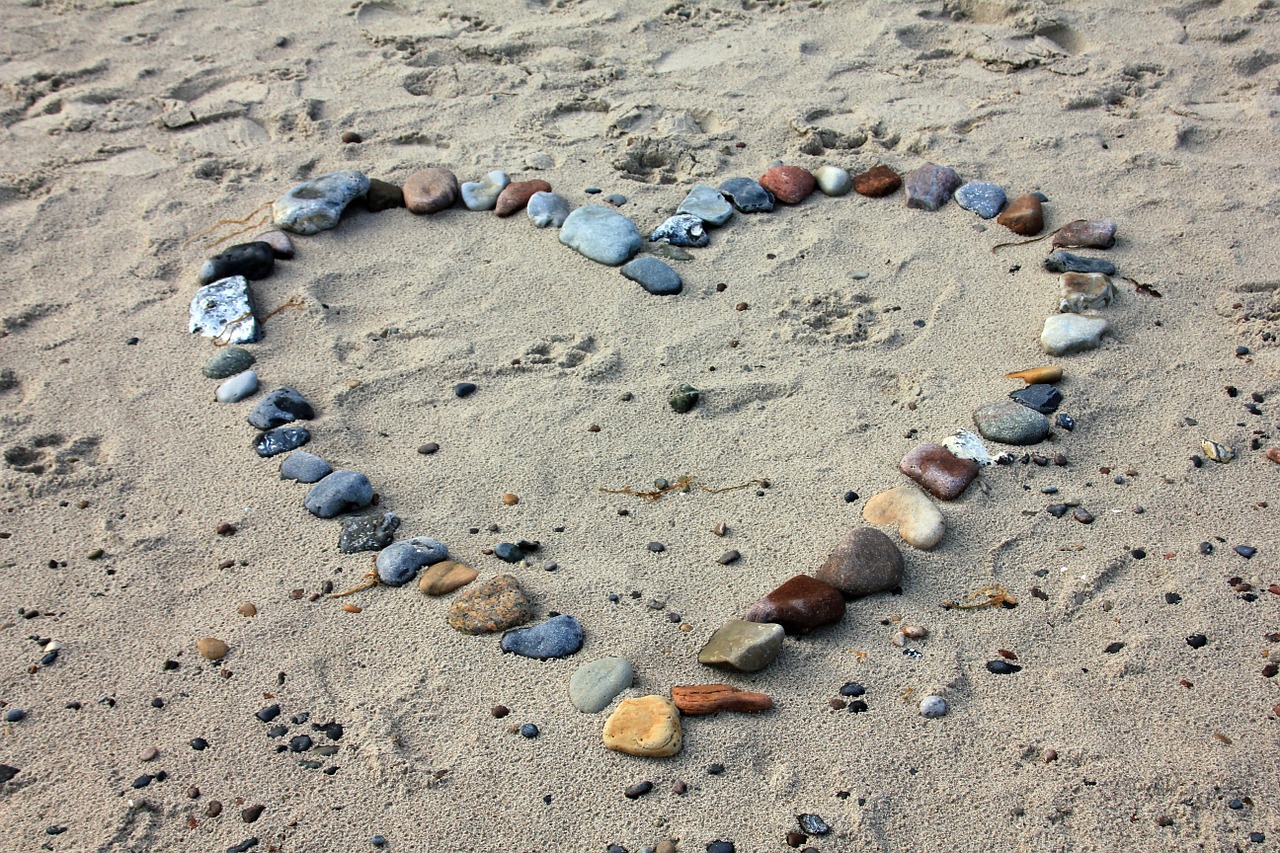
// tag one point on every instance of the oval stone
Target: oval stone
(1086, 234)
(430, 190)
(1064, 334)
(601, 234)
(303, 467)
(832, 180)
(594, 685)
(645, 726)
(228, 362)
(399, 563)
(558, 637)
(252, 260)
(341, 491)
(654, 276)
(446, 576)
(1010, 423)
(516, 195)
(548, 210)
(799, 605)
(495, 605)
(237, 387)
(864, 563)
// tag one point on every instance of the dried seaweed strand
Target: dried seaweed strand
(224, 337)
(370, 580)
(1023, 242)
(682, 483)
(251, 226)
(989, 596)
(215, 226)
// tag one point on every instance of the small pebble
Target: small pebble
(1002, 667)
(656, 547)
(529, 730)
(639, 789)
(1113, 648)
(378, 841)
(1197, 641)
(1246, 551)
(14, 715)
(729, 557)
(464, 389)
(933, 706)
(199, 744)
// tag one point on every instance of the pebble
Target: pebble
(656, 547)
(495, 605)
(1010, 423)
(930, 186)
(17, 715)
(919, 522)
(280, 407)
(430, 190)
(368, 533)
(943, 474)
(877, 182)
(429, 448)
(616, 199)
(864, 563)
(7, 772)
(211, 648)
(399, 563)
(1035, 375)
(483, 194)
(729, 557)
(548, 210)
(342, 491)
(279, 242)
(603, 235)
(222, 311)
(789, 184)
(699, 699)
(933, 706)
(1246, 551)
(529, 730)
(683, 229)
(1197, 641)
(1067, 262)
(1066, 422)
(1216, 451)
(508, 552)
(383, 195)
(250, 814)
(378, 841)
(238, 387)
(594, 685)
(228, 361)
(967, 445)
(983, 198)
(316, 205)
(747, 196)
(558, 637)
(1068, 333)
(1086, 234)
(645, 726)
(639, 789)
(1024, 215)
(799, 605)
(273, 442)
(708, 204)
(654, 276)
(247, 608)
(1044, 398)
(813, 824)
(721, 847)
(743, 646)
(832, 180)
(1002, 667)
(515, 196)
(1083, 291)
(252, 260)
(684, 398)
(304, 467)
(464, 389)
(446, 576)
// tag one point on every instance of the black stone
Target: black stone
(252, 813)
(1246, 551)
(252, 260)
(657, 547)
(268, 713)
(369, 533)
(273, 442)
(508, 552)
(7, 773)
(715, 769)
(278, 730)
(199, 744)
(858, 706)
(1042, 397)
(55, 830)
(333, 731)
(1206, 548)
(280, 407)
(850, 497)
(1002, 667)
(143, 781)
(1057, 510)
(1112, 648)
(1066, 422)
(1197, 641)
(244, 846)
(813, 824)
(721, 847)
(852, 688)
(639, 789)
(1172, 598)
(464, 389)
(301, 743)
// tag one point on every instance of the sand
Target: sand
(129, 128)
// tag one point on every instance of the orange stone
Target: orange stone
(789, 184)
(877, 182)
(1024, 216)
(1037, 375)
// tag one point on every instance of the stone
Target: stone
(743, 646)
(1083, 291)
(645, 726)
(430, 190)
(211, 648)
(495, 605)
(317, 205)
(942, 473)
(1024, 215)
(558, 637)
(747, 196)
(383, 195)
(683, 229)
(273, 442)
(601, 234)
(303, 467)
(699, 699)
(222, 311)
(368, 533)
(981, 197)
(1086, 234)
(919, 522)
(654, 276)
(965, 445)
(594, 685)
(684, 398)
(483, 194)
(7, 772)
(799, 605)
(446, 576)
(515, 196)
(508, 552)
(1035, 375)
(832, 180)
(864, 563)
(342, 491)
(237, 387)
(399, 563)
(813, 824)
(708, 204)
(228, 361)
(933, 706)
(789, 184)
(1010, 423)
(1064, 334)
(930, 186)
(252, 260)
(1042, 397)
(279, 242)
(548, 210)
(1067, 262)
(282, 406)
(877, 182)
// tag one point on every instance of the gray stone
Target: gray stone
(865, 562)
(594, 685)
(237, 387)
(708, 204)
(222, 311)
(933, 706)
(341, 491)
(1067, 333)
(833, 180)
(303, 467)
(252, 260)
(1067, 262)
(983, 198)
(228, 361)
(603, 235)
(273, 442)
(281, 245)
(683, 229)
(654, 276)
(743, 646)
(483, 194)
(368, 533)
(930, 186)
(280, 407)
(747, 195)
(398, 564)
(548, 210)
(558, 637)
(316, 205)
(1011, 423)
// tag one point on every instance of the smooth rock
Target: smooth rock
(683, 229)
(594, 685)
(919, 522)
(877, 182)
(341, 491)
(558, 637)
(933, 706)
(368, 533)
(316, 205)
(252, 260)
(813, 824)
(1034, 375)
(789, 184)
(699, 699)
(399, 563)
(832, 180)
(446, 576)
(708, 204)
(383, 195)
(1086, 234)
(495, 605)
(1064, 334)
(228, 361)
(747, 196)
(515, 196)
(282, 406)
(237, 387)
(273, 442)
(930, 186)
(548, 210)
(211, 648)
(508, 552)
(7, 772)
(743, 645)
(1082, 291)
(303, 467)
(1067, 262)
(222, 311)
(654, 276)
(601, 234)
(1010, 423)
(966, 445)
(279, 242)
(981, 197)
(430, 190)
(684, 398)
(483, 194)
(1024, 215)
(1042, 397)
(942, 473)
(645, 726)
(799, 605)
(864, 563)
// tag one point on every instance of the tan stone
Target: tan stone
(444, 577)
(919, 522)
(248, 608)
(646, 726)
(212, 648)
(430, 190)
(495, 605)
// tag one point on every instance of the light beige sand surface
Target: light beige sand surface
(131, 127)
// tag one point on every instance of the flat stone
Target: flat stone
(708, 204)
(981, 197)
(1067, 262)
(515, 196)
(654, 276)
(1024, 215)
(237, 387)
(252, 260)
(1064, 334)
(699, 699)
(683, 229)
(1042, 397)
(399, 563)
(789, 184)
(594, 685)
(1086, 234)
(646, 726)
(601, 234)
(799, 605)
(747, 196)
(742, 645)
(383, 195)
(495, 605)
(1010, 423)
(303, 467)
(1083, 291)
(558, 637)
(446, 576)
(919, 522)
(273, 442)
(864, 563)
(877, 182)
(282, 406)
(942, 473)
(483, 194)
(316, 205)
(342, 491)
(548, 210)
(368, 533)
(832, 180)
(7, 772)
(930, 186)
(228, 361)
(430, 190)
(222, 311)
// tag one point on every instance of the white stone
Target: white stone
(1067, 333)
(237, 387)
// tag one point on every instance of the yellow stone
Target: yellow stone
(919, 521)
(445, 577)
(212, 648)
(1037, 374)
(647, 726)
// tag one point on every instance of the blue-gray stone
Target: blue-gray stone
(1041, 396)
(654, 276)
(304, 467)
(603, 235)
(594, 685)
(237, 387)
(1067, 262)
(280, 407)
(558, 637)
(273, 442)
(616, 199)
(508, 552)
(399, 563)
(747, 195)
(222, 311)
(252, 260)
(547, 209)
(683, 229)
(1010, 423)
(708, 204)
(983, 198)
(228, 361)
(483, 194)
(369, 533)
(930, 186)
(313, 206)
(341, 491)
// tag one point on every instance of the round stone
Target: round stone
(430, 190)
(495, 605)
(228, 362)
(933, 706)
(864, 563)
(342, 491)
(399, 563)
(529, 730)
(594, 685)
(303, 467)
(212, 648)
(1009, 422)
(832, 180)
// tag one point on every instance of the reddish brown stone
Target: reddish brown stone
(864, 563)
(430, 190)
(877, 182)
(696, 699)
(790, 184)
(943, 474)
(1024, 215)
(1086, 234)
(799, 605)
(516, 195)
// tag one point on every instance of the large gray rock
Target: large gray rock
(341, 491)
(317, 204)
(603, 235)
(1009, 422)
